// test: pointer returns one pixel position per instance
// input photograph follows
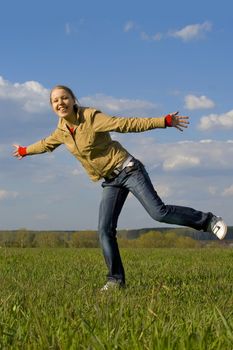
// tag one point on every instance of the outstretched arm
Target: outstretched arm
(103, 122)
(47, 144)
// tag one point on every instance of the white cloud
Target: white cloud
(201, 155)
(67, 28)
(41, 217)
(179, 162)
(216, 121)
(74, 27)
(155, 37)
(129, 26)
(198, 102)
(212, 190)
(164, 190)
(188, 33)
(206, 141)
(192, 31)
(34, 98)
(78, 171)
(204, 156)
(31, 95)
(44, 178)
(228, 192)
(114, 105)
(4, 194)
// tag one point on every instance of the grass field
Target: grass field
(175, 299)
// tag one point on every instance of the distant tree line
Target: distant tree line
(143, 238)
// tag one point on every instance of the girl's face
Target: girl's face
(62, 103)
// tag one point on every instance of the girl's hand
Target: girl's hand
(178, 121)
(16, 152)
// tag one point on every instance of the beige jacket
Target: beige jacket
(91, 142)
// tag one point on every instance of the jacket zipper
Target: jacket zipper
(85, 157)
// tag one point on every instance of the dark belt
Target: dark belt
(118, 170)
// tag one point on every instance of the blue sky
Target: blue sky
(127, 58)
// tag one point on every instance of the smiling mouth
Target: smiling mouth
(62, 109)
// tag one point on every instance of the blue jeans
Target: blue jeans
(136, 180)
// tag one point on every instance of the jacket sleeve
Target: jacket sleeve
(103, 122)
(47, 144)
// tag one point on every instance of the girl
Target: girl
(85, 133)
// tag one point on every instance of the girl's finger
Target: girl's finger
(177, 127)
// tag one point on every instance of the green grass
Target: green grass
(175, 299)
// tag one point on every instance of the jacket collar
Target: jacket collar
(63, 125)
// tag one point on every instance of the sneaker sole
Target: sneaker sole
(223, 234)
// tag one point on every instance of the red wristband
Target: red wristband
(168, 120)
(22, 151)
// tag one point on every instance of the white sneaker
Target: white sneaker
(218, 227)
(111, 285)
